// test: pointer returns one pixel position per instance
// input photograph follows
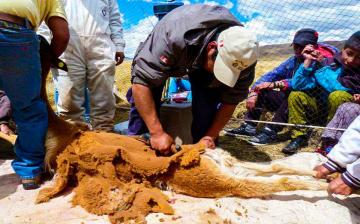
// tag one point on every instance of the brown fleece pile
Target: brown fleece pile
(117, 175)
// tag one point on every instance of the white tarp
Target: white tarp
(17, 205)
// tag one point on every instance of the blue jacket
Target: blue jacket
(286, 70)
(326, 77)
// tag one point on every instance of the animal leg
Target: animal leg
(277, 168)
(207, 180)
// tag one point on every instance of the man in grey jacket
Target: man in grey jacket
(210, 45)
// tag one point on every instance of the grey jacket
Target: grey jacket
(176, 45)
(5, 109)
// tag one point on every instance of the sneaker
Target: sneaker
(295, 145)
(244, 130)
(31, 184)
(266, 136)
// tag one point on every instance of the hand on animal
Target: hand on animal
(338, 186)
(321, 172)
(356, 98)
(208, 141)
(4, 128)
(251, 101)
(119, 57)
(161, 142)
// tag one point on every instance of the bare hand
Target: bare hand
(306, 52)
(310, 53)
(161, 142)
(4, 128)
(264, 85)
(251, 101)
(356, 98)
(208, 142)
(337, 186)
(119, 57)
(321, 172)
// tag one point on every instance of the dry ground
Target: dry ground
(236, 146)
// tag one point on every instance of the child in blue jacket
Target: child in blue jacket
(328, 87)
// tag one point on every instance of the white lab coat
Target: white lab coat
(95, 35)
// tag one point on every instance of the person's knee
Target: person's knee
(334, 95)
(338, 96)
(296, 96)
(344, 107)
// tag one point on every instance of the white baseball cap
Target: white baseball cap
(237, 49)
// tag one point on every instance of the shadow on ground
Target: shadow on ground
(9, 184)
(242, 150)
(353, 203)
(6, 150)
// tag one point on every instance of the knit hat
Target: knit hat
(306, 36)
(354, 41)
(238, 49)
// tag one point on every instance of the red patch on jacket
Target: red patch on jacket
(325, 51)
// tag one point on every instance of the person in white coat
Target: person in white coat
(344, 158)
(96, 46)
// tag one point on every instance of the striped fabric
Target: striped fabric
(350, 180)
(333, 166)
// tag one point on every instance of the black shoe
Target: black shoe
(31, 184)
(295, 145)
(266, 136)
(244, 129)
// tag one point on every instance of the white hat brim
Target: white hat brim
(224, 74)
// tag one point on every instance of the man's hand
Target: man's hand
(321, 172)
(264, 85)
(338, 186)
(119, 57)
(161, 142)
(4, 128)
(145, 104)
(208, 142)
(356, 98)
(251, 101)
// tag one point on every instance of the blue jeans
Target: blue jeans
(20, 78)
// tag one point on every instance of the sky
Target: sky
(273, 21)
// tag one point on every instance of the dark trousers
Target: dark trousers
(137, 125)
(20, 78)
(274, 101)
(205, 104)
